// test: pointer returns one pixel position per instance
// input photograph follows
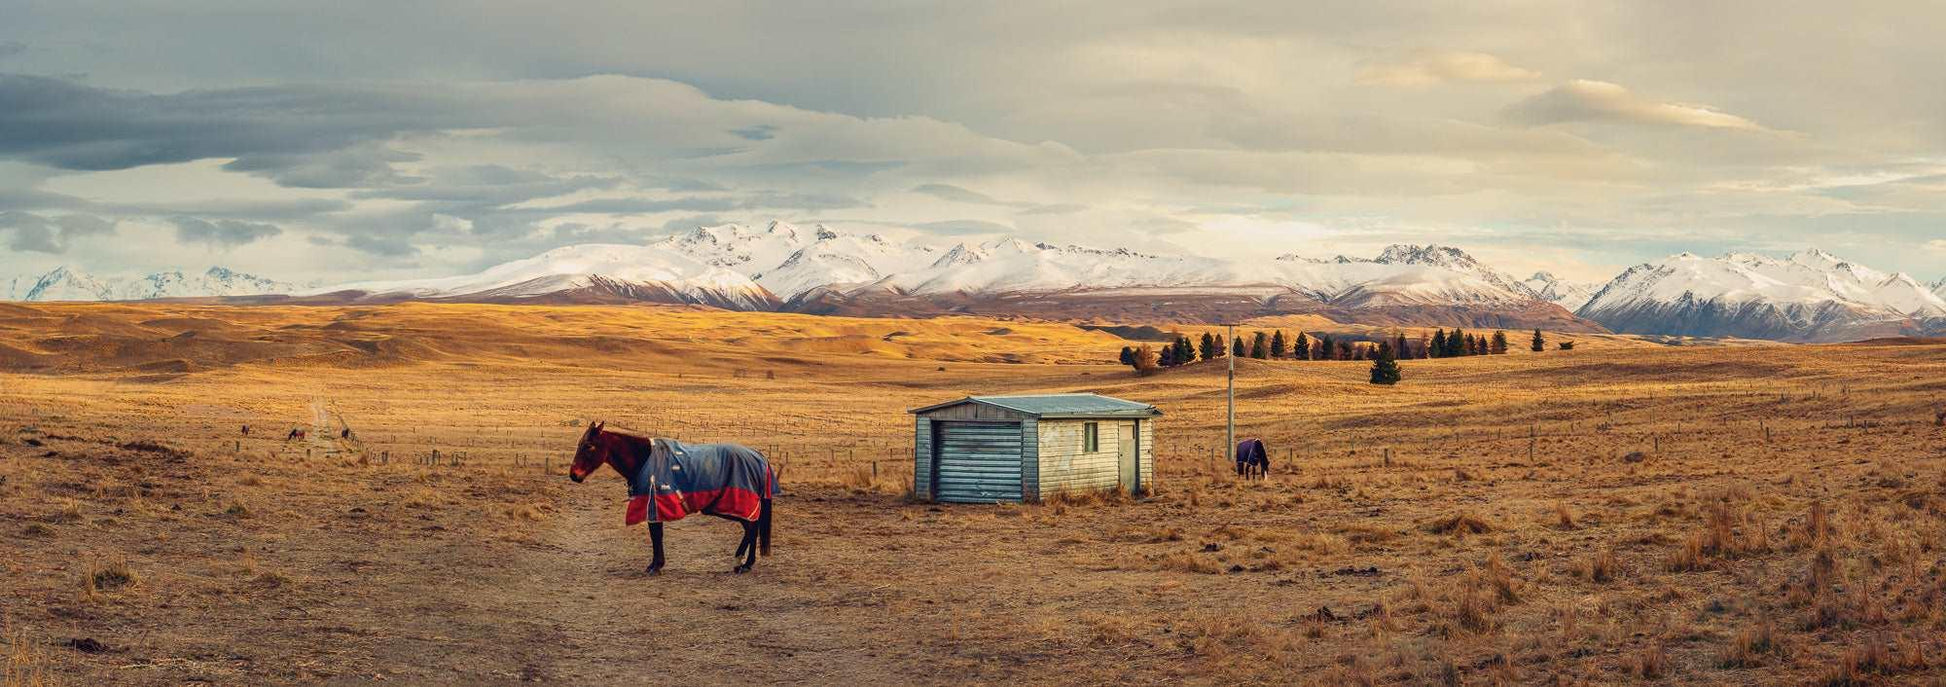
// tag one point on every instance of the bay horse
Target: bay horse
(668, 480)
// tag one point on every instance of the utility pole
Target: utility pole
(1230, 424)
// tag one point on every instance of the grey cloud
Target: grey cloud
(222, 232)
(1584, 100)
(35, 233)
(359, 166)
(956, 194)
(388, 246)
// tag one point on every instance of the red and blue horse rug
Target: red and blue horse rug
(726, 480)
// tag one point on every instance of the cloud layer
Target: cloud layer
(395, 141)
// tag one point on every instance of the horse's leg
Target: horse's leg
(655, 539)
(748, 549)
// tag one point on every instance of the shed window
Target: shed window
(1091, 437)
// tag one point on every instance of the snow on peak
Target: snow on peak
(1570, 295)
(68, 284)
(1805, 281)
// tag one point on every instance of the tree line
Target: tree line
(1263, 345)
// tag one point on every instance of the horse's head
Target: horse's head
(590, 454)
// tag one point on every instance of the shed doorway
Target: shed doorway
(1131, 468)
(979, 462)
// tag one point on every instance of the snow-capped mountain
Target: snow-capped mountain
(1939, 288)
(69, 284)
(592, 273)
(1567, 294)
(1809, 296)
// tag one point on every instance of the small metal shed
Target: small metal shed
(992, 449)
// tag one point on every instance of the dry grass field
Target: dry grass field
(1625, 512)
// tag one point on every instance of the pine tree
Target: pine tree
(1260, 346)
(1400, 349)
(1344, 350)
(1438, 348)
(1185, 351)
(1302, 351)
(1327, 349)
(1209, 346)
(1385, 367)
(1467, 345)
(1128, 356)
(1499, 343)
(1236, 348)
(1455, 343)
(1168, 356)
(1540, 344)
(1277, 344)
(1221, 349)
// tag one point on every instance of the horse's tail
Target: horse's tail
(764, 518)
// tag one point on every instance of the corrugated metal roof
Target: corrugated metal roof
(1058, 405)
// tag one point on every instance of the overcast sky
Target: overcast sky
(346, 139)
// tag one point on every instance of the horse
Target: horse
(668, 480)
(1253, 459)
(295, 435)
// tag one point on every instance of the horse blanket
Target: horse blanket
(1250, 453)
(678, 479)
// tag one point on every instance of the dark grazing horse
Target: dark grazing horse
(668, 480)
(1253, 459)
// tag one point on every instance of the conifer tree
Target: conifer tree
(1344, 350)
(1236, 348)
(1260, 346)
(1456, 343)
(1399, 347)
(1303, 348)
(1438, 348)
(1385, 366)
(1327, 349)
(1209, 346)
(1277, 344)
(1168, 356)
(1221, 348)
(1185, 351)
(1128, 356)
(1500, 343)
(1466, 345)
(1540, 344)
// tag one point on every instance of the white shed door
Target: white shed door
(979, 462)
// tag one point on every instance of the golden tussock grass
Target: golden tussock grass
(1507, 540)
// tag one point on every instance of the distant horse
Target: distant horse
(246, 430)
(295, 435)
(345, 435)
(668, 480)
(1253, 460)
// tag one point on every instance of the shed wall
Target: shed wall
(1064, 466)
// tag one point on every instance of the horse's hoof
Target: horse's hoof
(741, 569)
(653, 570)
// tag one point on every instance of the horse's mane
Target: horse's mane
(626, 432)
